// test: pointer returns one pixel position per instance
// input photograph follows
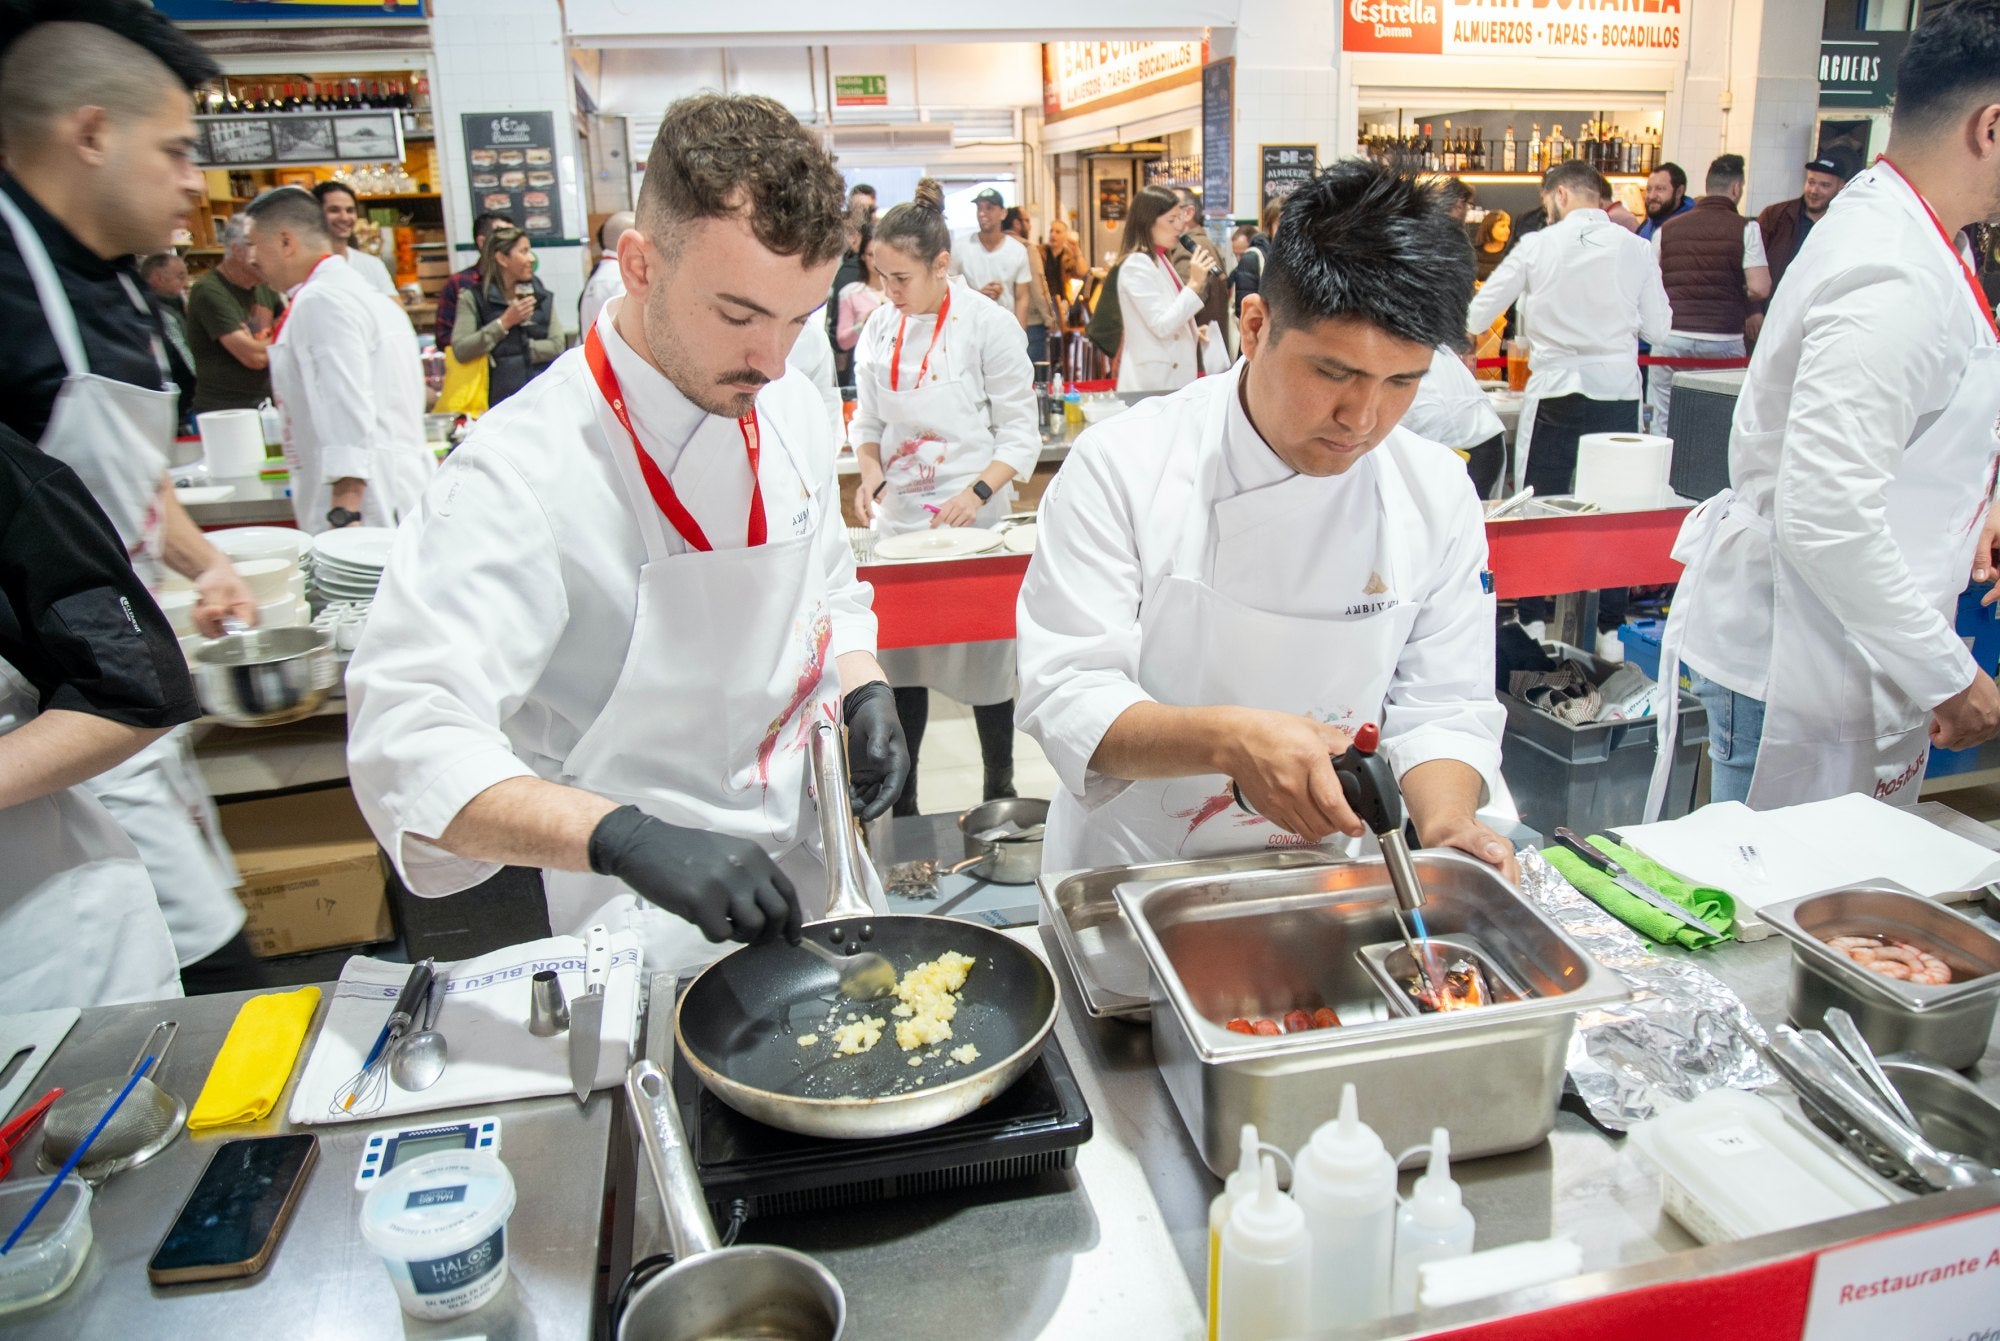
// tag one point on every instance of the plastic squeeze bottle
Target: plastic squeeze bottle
(1432, 1225)
(1266, 1261)
(1239, 1184)
(1345, 1183)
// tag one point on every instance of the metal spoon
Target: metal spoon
(420, 1058)
(1845, 1033)
(864, 976)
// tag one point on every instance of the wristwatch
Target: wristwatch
(339, 517)
(982, 489)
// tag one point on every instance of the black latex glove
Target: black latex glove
(729, 887)
(878, 758)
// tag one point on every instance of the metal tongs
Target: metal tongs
(1846, 1096)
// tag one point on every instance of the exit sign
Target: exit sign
(861, 90)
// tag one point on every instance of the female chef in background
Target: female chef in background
(1161, 349)
(942, 377)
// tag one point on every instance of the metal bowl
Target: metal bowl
(1015, 859)
(265, 677)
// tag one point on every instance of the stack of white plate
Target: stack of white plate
(347, 564)
(271, 560)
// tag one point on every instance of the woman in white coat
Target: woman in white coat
(942, 377)
(1162, 348)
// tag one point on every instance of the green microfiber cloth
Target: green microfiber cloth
(1712, 906)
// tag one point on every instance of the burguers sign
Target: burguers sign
(1589, 29)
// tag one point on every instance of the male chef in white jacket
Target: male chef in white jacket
(601, 646)
(344, 374)
(1817, 607)
(1233, 579)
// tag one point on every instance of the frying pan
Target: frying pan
(739, 1023)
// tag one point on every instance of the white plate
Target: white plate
(1020, 539)
(204, 493)
(947, 542)
(327, 568)
(356, 546)
(261, 542)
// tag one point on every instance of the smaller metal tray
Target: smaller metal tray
(1971, 950)
(1098, 948)
(1390, 965)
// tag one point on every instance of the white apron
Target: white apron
(1524, 427)
(78, 922)
(709, 724)
(937, 436)
(1200, 648)
(1833, 722)
(114, 436)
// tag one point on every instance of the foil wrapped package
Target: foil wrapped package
(1682, 1033)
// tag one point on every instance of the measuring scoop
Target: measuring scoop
(419, 1059)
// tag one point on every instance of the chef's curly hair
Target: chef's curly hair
(1363, 240)
(719, 155)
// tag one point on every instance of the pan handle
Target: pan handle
(659, 1121)
(846, 892)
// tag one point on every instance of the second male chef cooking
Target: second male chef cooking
(601, 645)
(1234, 578)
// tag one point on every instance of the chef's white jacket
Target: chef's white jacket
(812, 354)
(1864, 342)
(1159, 353)
(1103, 549)
(606, 282)
(1450, 408)
(506, 610)
(348, 378)
(981, 344)
(370, 267)
(1596, 292)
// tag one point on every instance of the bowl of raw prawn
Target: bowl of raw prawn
(1916, 975)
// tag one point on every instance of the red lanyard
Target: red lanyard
(896, 354)
(286, 314)
(1168, 266)
(657, 483)
(1978, 294)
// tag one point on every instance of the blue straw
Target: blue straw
(75, 1158)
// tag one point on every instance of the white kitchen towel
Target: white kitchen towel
(1765, 857)
(484, 1019)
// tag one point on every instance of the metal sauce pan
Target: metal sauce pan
(1015, 859)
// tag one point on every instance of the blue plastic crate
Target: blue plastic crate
(1980, 627)
(1642, 644)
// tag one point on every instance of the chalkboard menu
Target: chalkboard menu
(1113, 197)
(510, 160)
(1218, 137)
(1283, 169)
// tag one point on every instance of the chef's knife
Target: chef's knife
(1630, 883)
(586, 1013)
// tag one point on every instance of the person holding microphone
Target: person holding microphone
(943, 381)
(1162, 348)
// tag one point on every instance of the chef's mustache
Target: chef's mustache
(742, 377)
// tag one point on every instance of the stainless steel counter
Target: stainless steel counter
(323, 1281)
(256, 502)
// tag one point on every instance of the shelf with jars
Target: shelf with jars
(1177, 173)
(1501, 147)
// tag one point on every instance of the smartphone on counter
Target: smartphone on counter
(232, 1220)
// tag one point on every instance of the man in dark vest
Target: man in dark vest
(1712, 262)
(1785, 225)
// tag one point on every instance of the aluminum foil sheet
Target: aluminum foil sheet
(1682, 1033)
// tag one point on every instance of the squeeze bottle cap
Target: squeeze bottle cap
(1346, 1147)
(1269, 1223)
(1242, 1180)
(1436, 1201)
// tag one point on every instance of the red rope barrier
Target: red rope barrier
(1647, 361)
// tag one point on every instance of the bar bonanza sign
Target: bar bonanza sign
(1589, 29)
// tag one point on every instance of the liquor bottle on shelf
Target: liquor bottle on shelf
(1537, 161)
(1559, 148)
(1448, 159)
(1508, 161)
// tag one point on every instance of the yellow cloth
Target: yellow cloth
(465, 386)
(256, 1059)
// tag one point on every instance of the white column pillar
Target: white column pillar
(1285, 85)
(508, 56)
(1752, 88)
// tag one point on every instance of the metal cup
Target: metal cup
(548, 1010)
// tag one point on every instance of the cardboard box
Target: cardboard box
(312, 874)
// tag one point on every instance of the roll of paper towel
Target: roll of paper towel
(1624, 472)
(232, 442)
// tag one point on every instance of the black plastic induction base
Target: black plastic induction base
(1033, 1127)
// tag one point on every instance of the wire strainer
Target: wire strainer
(144, 1125)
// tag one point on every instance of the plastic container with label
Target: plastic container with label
(46, 1260)
(439, 1223)
(1732, 1165)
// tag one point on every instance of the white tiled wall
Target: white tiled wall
(508, 56)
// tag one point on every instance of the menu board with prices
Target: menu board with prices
(294, 139)
(1218, 137)
(510, 160)
(1283, 169)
